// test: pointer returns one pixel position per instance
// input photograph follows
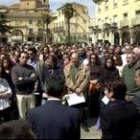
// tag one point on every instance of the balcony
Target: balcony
(124, 23)
(136, 21)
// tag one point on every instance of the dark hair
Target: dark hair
(118, 60)
(117, 86)
(21, 54)
(98, 61)
(110, 58)
(33, 50)
(19, 129)
(53, 57)
(55, 86)
(9, 62)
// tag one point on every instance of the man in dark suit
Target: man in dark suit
(120, 118)
(53, 120)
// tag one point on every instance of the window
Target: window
(30, 21)
(106, 20)
(138, 13)
(62, 23)
(99, 22)
(30, 31)
(125, 1)
(59, 13)
(115, 3)
(115, 19)
(106, 4)
(125, 15)
(59, 24)
(99, 7)
(39, 21)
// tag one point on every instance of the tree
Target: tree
(68, 11)
(4, 28)
(47, 19)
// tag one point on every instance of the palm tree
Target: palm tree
(4, 28)
(47, 19)
(68, 11)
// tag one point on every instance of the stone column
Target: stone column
(120, 40)
(111, 36)
(131, 36)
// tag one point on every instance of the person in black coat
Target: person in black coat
(53, 120)
(109, 71)
(94, 93)
(119, 119)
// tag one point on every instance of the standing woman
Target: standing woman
(5, 94)
(6, 74)
(94, 89)
(109, 71)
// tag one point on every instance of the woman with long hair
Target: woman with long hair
(6, 67)
(94, 89)
(109, 71)
(5, 94)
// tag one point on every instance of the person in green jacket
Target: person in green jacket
(129, 76)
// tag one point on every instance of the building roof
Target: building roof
(15, 6)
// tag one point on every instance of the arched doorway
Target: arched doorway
(125, 37)
(31, 38)
(3, 39)
(136, 35)
(116, 38)
(17, 36)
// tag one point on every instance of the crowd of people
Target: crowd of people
(34, 82)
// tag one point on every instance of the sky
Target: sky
(55, 4)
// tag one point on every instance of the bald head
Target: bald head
(75, 59)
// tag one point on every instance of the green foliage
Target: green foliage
(68, 11)
(3, 24)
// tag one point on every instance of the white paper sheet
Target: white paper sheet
(105, 100)
(75, 99)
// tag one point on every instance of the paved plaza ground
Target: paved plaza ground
(93, 133)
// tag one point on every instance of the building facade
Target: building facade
(79, 24)
(26, 19)
(117, 21)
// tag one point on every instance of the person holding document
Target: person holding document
(76, 75)
(77, 81)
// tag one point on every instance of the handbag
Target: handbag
(94, 87)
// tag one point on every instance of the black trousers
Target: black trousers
(5, 115)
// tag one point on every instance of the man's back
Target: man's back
(119, 120)
(54, 121)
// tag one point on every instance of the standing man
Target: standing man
(77, 80)
(39, 67)
(24, 78)
(53, 120)
(129, 76)
(76, 75)
(128, 50)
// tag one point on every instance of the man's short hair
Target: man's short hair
(55, 85)
(19, 129)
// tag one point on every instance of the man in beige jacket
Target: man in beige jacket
(77, 81)
(76, 75)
